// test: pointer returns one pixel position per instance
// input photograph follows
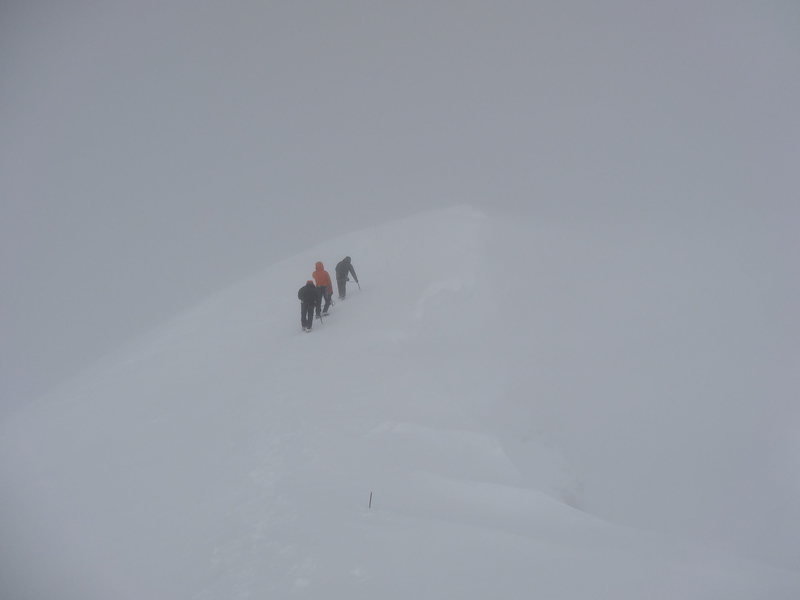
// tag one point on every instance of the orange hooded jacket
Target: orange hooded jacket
(321, 278)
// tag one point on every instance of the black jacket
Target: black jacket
(343, 268)
(308, 293)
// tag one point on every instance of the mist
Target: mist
(152, 153)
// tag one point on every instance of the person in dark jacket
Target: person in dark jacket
(309, 297)
(343, 269)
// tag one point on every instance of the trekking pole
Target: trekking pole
(359, 285)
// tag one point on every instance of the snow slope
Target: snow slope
(228, 455)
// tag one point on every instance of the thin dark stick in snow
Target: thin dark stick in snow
(370, 500)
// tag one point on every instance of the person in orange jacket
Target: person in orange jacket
(324, 287)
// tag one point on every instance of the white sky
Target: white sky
(152, 153)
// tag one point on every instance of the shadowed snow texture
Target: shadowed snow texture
(517, 416)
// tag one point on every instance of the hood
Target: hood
(319, 266)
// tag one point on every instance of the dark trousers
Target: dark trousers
(341, 285)
(324, 294)
(307, 314)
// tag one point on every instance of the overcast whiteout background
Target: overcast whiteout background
(153, 153)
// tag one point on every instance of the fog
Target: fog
(151, 153)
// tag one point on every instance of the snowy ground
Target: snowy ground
(510, 435)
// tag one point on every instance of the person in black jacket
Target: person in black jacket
(343, 269)
(308, 296)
